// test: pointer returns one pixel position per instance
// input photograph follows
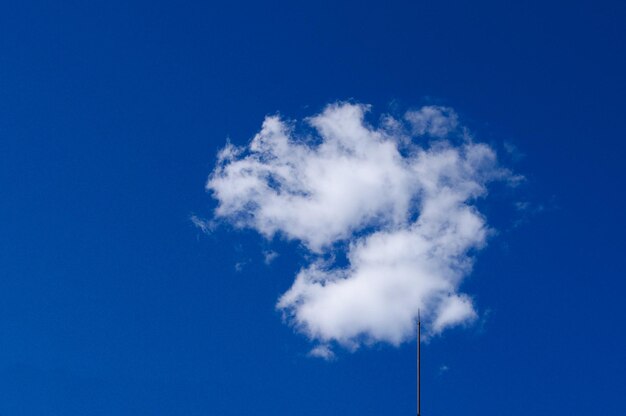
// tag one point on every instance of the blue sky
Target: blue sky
(111, 116)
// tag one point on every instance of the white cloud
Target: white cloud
(269, 256)
(322, 351)
(239, 266)
(204, 225)
(453, 310)
(403, 213)
(432, 120)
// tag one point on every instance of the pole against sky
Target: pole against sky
(387, 142)
(419, 364)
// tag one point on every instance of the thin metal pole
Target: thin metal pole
(419, 376)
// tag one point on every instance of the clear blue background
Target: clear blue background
(111, 113)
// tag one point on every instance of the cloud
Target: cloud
(322, 351)
(513, 151)
(204, 225)
(453, 310)
(239, 266)
(397, 199)
(432, 120)
(269, 256)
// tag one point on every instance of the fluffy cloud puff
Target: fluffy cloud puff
(397, 199)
